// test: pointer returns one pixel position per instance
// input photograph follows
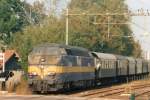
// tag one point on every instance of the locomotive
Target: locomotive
(54, 67)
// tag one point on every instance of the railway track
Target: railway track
(116, 92)
(112, 92)
(138, 91)
(143, 94)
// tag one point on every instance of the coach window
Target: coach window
(118, 62)
(106, 64)
(103, 63)
(121, 64)
(113, 63)
(109, 64)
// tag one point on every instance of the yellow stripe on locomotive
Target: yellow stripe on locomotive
(46, 70)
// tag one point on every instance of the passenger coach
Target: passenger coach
(105, 68)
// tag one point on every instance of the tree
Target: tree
(50, 30)
(14, 15)
(84, 33)
(36, 12)
(10, 19)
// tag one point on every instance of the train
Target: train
(55, 67)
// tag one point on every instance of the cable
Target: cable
(130, 21)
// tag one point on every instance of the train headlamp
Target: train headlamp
(33, 74)
(42, 67)
(51, 74)
(43, 59)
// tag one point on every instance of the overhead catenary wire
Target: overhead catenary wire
(108, 14)
(142, 13)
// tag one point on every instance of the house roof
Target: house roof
(8, 55)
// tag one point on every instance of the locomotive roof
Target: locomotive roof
(104, 55)
(60, 46)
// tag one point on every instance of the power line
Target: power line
(139, 12)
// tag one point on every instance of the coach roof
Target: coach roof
(131, 59)
(104, 55)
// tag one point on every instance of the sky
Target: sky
(142, 28)
(140, 25)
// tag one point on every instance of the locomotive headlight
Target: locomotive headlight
(42, 67)
(33, 74)
(51, 74)
(43, 60)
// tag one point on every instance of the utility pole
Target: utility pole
(30, 15)
(108, 23)
(53, 6)
(67, 26)
(108, 31)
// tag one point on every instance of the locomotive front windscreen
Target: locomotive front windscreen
(44, 55)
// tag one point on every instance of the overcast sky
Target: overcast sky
(141, 26)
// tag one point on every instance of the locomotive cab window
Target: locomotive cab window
(69, 52)
(77, 52)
